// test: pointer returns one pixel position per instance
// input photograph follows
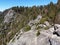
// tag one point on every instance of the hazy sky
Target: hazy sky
(5, 4)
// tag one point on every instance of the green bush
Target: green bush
(38, 33)
(46, 28)
(27, 28)
(42, 20)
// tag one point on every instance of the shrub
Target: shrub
(34, 17)
(38, 33)
(46, 28)
(27, 28)
(43, 20)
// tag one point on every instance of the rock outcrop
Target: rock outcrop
(9, 16)
(46, 37)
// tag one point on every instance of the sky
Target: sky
(5, 4)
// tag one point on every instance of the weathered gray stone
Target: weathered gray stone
(8, 16)
(47, 23)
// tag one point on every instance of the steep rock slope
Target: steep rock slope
(37, 36)
(12, 22)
